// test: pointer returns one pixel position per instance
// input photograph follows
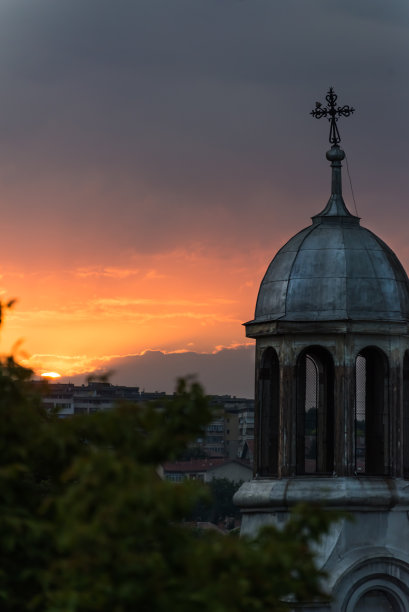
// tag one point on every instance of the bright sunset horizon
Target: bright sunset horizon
(154, 156)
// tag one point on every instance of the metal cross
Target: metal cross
(332, 112)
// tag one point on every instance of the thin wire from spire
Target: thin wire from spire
(350, 184)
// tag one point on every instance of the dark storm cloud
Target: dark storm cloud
(376, 10)
(237, 366)
(191, 116)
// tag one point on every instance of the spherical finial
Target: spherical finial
(335, 154)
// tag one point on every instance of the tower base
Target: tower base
(367, 558)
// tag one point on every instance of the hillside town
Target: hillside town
(225, 451)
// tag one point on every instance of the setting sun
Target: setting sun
(51, 375)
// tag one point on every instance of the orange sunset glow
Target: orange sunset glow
(153, 160)
(174, 303)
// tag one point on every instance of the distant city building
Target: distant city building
(206, 470)
(69, 399)
(225, 437)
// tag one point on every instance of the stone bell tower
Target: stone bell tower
(332, 397)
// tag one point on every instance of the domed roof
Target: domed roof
(335, 269)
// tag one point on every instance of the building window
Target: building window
(174, 476)
(315, 412)
(80, 410)
(371, 412)
(268, 415)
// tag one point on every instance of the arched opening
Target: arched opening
(268, 415)
(379, 600)
(315, 412)
(406, 415)
(371, 412)
(376, 583)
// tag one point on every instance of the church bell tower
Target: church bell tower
(332, 397)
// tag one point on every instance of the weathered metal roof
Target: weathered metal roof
(334, 269)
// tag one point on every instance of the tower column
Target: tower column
(340, 420)
(395, 418)
(287, 456)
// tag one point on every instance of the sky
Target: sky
(154, 156)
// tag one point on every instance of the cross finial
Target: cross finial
(332, 112)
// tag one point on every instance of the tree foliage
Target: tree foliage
(219, 506)
(86, 524)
